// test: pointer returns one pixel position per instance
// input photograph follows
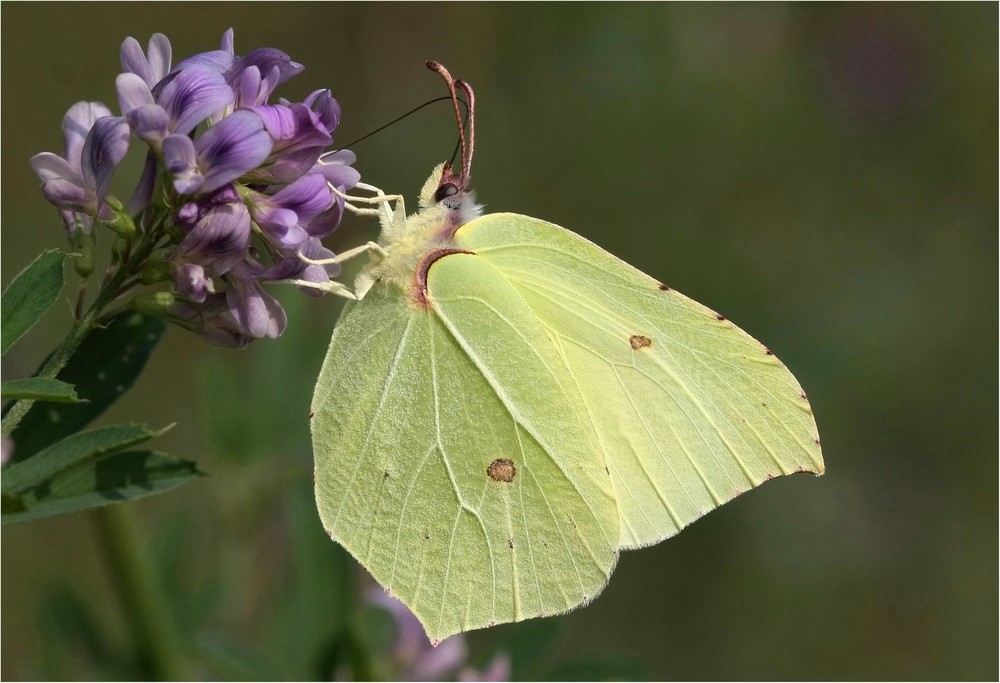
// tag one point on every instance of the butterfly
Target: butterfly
(506, 407)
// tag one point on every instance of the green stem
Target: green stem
(81, 328)
(148, 614)
(81, 296)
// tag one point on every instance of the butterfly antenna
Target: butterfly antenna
(458, 142)
(396, 120)
(465, 143)
(470, 113)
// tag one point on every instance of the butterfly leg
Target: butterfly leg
(385, 202)
(391, 211)
(333, 287)
(329, 287)
(368, 247)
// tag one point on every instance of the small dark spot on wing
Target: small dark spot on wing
(664, 288)
(386, 475)
(502, 470)
(427, 535)
(719, 316)
(640, 342)
(510, 543)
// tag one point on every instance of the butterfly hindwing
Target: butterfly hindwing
(449, 461)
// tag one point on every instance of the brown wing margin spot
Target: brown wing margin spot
(419, 292)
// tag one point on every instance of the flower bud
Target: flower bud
(84, 244)
(119, 221)
(155, 272)
(155, 303)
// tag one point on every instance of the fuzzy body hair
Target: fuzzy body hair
(405, 239)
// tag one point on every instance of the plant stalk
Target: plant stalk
(148, 615)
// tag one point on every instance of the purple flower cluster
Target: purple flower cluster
(234, 193)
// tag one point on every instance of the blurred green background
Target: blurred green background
(824, 175)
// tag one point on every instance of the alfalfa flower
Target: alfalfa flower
(77, 182)
(233, 195)
(231, 148)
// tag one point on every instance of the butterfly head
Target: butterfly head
(446, 204)
(448, 186)
(452, 196)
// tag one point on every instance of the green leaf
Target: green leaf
(39, 389)
(102, 369)
(31, 293)
(83, 447)
(112, 478)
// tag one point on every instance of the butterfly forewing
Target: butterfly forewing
(688, 410)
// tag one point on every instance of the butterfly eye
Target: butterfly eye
(445, 191)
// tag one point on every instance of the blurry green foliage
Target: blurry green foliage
(824, 175)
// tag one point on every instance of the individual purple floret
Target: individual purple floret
(257, 313)
(192, 283)
(150, 66)
(210, 319)
(78, 182)
(181, 102)
(231, 148)
(296, 212)
(232, 196)
(299, 135)
(216, 232)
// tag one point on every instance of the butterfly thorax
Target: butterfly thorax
(407, 240)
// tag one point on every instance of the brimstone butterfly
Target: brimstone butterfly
(507, 407)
